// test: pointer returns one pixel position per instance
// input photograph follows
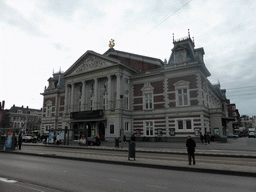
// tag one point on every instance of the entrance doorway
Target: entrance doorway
(89, 129)
(102, 131)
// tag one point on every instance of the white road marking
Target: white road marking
(117, 180)
(157, 186)
(7, 180)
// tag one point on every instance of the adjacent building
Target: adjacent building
(26, 119)
(119, 93)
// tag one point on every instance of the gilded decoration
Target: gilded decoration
(90, 63)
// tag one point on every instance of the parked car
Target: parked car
(229, 135)
(251, 134)
(93, 141)
(27, 139)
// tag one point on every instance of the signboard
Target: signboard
(197, 131)
(86, 114)
(51, 137)
(9, 139)
(172, 131)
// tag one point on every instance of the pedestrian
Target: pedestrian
(191, 144)
(205, 139)
(124, 139)
(20, 141)
(208, 138)
(133, 138)
(58, 139)
(202, 138)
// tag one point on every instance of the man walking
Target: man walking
(191, 144)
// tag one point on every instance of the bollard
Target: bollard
(116, 142)
(131, 153)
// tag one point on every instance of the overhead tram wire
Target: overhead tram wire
(241, 87)
(171, 15)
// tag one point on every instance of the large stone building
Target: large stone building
(118, 93)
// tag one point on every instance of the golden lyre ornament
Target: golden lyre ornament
(111, 43)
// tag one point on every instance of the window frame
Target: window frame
(149, 130)
(185, 125)
(148, 102)
(182, 85)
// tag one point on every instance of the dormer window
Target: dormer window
(182, 93)
(48, 108)
(147, 91)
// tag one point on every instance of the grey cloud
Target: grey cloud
(61, 8)
(60, 46)
(15, 19)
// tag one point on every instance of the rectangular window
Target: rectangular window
(91, 104)
(112, 129)
(148, 101)
(184, 124)
(188, 124)
(183, 96)
(149, 128)
(126, 128)
(180, 124)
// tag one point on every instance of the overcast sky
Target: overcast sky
(37, 36)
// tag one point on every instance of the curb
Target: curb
(155, 151)
(146, 165)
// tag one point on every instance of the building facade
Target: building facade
(26, 119)
(119, 93)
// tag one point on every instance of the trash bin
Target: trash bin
(131, 153)
(117, 142)
(223, 139)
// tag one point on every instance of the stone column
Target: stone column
(109, 93)
(118, 91)
(96, 94)
(72, 97)
(66, 98)
(83, 96)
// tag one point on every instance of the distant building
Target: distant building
(234, 123)
(118, 93)
(2, 113)
(26, 119)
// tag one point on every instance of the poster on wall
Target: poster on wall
(216, 131)
(197, 131)
(51, 137)
(9, 139)
(172, 131)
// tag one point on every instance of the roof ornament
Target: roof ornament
(188, 33)
(173, 37)
(111, 43)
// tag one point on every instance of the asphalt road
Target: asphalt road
(29, 173)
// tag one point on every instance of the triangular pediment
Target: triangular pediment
(88, 62)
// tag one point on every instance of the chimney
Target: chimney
(0, 106)
(27, 107)
(22, 106)
(3, 105)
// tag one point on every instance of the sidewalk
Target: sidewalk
(68, 152)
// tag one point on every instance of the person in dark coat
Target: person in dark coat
(133, 137)
(202, 138)
(20, 141)
(205, 139)
(124, 139)
(191, 144)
